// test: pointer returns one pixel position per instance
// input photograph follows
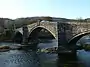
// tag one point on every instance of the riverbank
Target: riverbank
(5, 48)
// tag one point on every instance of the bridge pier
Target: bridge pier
(25, 35)
(62, 41)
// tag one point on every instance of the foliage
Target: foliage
(46, 18)
(6, 35)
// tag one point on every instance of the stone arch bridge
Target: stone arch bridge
(65, 33)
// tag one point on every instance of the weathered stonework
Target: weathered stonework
(64, 33)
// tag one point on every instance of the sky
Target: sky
(71, 9)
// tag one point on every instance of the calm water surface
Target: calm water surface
(22, 58)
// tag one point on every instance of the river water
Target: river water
(29, 58)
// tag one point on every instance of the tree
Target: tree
(80, 19)
(47, 18)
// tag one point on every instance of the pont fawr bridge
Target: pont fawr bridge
(65, 33)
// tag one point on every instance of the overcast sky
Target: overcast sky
(55, 8)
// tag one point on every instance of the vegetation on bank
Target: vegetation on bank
(86, 47)
(48, 50)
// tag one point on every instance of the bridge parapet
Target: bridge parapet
(79, 27)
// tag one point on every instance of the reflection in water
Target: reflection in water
(22, 58)
(84, 54)
(84, 57)
(81, 59)
(48, 59)
(67, 60)
(19, 59)
(28, 58)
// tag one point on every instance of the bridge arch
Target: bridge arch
(18, 37)
(38, 28)
(77, 37)
(33, 35)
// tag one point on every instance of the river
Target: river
(29, 58)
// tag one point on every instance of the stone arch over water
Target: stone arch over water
(34, 32)
(76, 38)
(18, 37)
